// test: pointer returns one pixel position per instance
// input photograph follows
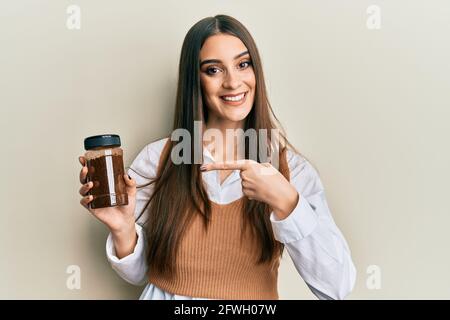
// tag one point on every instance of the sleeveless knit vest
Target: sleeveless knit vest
(221, 263)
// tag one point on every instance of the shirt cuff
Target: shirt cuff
(130, 259)
(297, 225)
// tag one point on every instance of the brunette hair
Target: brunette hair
(178, 189)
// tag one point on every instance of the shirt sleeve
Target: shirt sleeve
(315, 244)
(133, 268)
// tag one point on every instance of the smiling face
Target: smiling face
(227, 79)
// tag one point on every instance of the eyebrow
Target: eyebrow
(218, 61)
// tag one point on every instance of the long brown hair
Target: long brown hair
(178, 189)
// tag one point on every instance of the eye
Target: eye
(245, 64)
(212, 70)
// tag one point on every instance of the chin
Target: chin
(237, 115)
(237, 118)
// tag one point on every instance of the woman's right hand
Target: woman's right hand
(120, 219)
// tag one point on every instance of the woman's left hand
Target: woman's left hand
(262, 182)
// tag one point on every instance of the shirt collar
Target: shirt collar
(208, 158)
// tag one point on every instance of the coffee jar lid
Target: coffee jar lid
(103, 140)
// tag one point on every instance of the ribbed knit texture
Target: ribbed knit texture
(216, 264)
(221, 263)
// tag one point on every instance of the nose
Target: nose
(232, 80)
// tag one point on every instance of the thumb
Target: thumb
(130, 184)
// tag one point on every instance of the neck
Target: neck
(223, 125)
(228, 150)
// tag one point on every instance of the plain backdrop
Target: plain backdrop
(369, 108)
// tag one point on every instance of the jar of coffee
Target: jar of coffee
(104, 160)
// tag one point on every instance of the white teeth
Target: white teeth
(237, 98)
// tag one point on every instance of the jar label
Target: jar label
(110, 173)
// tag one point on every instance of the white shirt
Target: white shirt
(312, 239)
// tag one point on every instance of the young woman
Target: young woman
(218, 230)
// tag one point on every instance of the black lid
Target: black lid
(103, 140)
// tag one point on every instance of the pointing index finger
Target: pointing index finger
(230, 165)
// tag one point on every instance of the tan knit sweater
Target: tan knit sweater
(216, 264)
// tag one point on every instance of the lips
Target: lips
(234, 97)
